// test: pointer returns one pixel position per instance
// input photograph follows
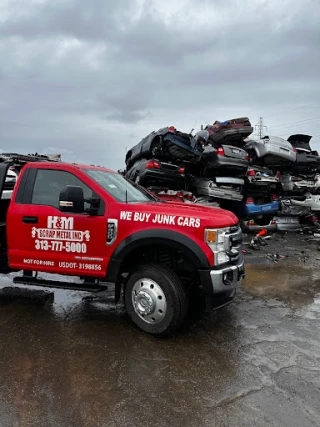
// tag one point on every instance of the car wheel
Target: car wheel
(155, 147)
(155, 299)
(252, 157)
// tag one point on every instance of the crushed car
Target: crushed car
(254, 205)
(225, 160)
(156, 173)
(271, 151)
(307, 159)
(311, 201)
(230, 132)
(292, 185)
(219, 187)
(262, 179)
(166, 144)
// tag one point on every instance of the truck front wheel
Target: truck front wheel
(155, 299)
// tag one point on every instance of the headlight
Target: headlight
(215, 239)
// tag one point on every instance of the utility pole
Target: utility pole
(259, 127)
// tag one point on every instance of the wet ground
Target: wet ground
(70, 361)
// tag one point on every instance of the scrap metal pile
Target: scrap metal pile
(269, 182)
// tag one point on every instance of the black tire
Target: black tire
(173, 291)
(253, 160)
(155, 147)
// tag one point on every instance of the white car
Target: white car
(317, 183)
(311, 201)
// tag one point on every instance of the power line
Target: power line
(289, 111)
(295, 123)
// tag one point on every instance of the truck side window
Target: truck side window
(49, 183)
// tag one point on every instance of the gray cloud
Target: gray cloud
(94, 77)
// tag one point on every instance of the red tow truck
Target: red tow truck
(90, 222)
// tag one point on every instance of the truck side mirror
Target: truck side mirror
(71, 199)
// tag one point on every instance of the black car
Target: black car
(154, 173)
(225, 160)
(168, 144)
(307, 159)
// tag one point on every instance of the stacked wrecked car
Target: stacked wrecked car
(269, 182)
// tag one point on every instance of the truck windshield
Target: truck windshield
(118, 187)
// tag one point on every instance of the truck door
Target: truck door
(49, 240)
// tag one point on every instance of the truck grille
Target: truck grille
(233, 242)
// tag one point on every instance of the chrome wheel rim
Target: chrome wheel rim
(149, 301)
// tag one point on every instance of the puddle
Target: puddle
(297, 286)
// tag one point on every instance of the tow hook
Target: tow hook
(233, 254)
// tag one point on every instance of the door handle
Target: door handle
(30, 219)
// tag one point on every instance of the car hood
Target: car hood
(209, 216)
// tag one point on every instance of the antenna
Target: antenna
(259, 127)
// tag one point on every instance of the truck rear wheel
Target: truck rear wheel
(155, 299)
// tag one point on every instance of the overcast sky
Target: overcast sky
(87, 78)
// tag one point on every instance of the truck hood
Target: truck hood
(209, 216)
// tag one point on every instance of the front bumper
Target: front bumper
(227, 278)
(219, 285)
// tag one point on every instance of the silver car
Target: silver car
(218, 187)
(297, 184)
(287, 223)
(271, 151)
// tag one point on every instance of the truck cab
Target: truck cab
(90, 222)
